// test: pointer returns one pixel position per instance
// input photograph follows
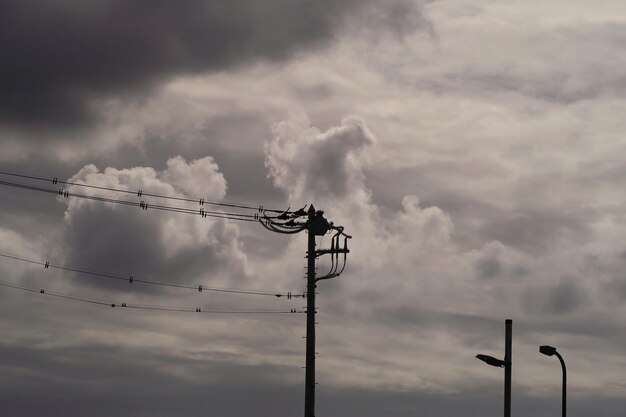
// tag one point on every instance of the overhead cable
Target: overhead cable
(143, 307)
(132, 279)
(142, 204)
(140, 193)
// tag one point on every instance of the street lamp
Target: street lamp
(551, 351)
(506, 364)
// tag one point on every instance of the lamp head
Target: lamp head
(490, 360)
(547, 350)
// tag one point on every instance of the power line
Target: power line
(132, 279)
(144, 307)
(143, 205)
(140, 193)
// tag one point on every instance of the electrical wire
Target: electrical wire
(132, 279)
(140, 193)
(144, 307)
(143, 205)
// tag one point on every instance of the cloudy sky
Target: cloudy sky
(474, 150)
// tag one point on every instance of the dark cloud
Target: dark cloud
(135, 387)
(102, 382)
(489, 263)
(562, 298)
(489, 267)
(62, 58)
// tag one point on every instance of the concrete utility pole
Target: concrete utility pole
(315, 225)
(309, 391)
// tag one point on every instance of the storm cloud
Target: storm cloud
(63, 60)
(477, 164)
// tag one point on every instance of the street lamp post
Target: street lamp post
(551, 351)
(506, 364)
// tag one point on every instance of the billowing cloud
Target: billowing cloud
(481, 181)
(181, 248)
(326, 166)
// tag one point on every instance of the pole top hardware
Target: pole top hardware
(319, 225)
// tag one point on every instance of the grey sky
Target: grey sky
(473, 149)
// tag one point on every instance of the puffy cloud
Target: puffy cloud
(310, 164)
(328, 169)
(182, 248)
(201, 174)
(560, 299)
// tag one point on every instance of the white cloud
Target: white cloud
(156, 241)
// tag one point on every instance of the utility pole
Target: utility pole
(291, 222)
(309, 390)
(285, 222)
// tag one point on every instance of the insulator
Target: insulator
(300, 212)
(123, 304)
(112, 305)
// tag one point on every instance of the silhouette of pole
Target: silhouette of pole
(564, 388)
(290, 222)
(507, 364)
(508, 338)
(309, 391)
(551, 351)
